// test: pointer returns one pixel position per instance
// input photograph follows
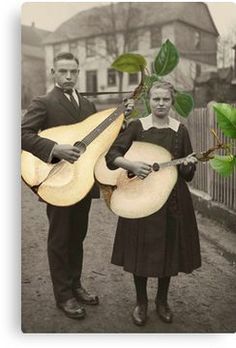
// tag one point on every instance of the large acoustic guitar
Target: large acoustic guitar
(63, 183)
(129, 196)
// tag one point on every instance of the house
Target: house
(33, 63)
(100, 34)
(219, 86)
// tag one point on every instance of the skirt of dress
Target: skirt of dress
(163, 243)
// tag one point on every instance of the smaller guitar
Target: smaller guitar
(129, 196)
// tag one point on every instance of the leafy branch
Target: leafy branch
(226, 120)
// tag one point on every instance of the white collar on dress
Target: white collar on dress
(148, 123)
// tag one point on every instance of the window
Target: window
(133, 79)
(56, 49)
(110, 44)
(90, 47)
(155, 37)
(73, 48)
(132, 41)
(111, 77)
(197, 39)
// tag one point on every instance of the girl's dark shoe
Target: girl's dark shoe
(164, 312)
(139, 314)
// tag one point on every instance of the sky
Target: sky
(42, 13)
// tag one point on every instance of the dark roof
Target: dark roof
(33, 36)
(32, 51)
(97, 20)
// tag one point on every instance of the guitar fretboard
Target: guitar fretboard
(173, 162)
(103, 125)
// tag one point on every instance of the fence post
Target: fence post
(210, 143)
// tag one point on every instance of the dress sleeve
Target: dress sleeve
(186, 171)
(122, 143)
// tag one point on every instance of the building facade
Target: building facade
(97, 36)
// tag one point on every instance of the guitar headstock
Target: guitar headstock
(204, 156)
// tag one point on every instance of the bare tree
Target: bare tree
(117, 29)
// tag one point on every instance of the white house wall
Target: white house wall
(183, 76)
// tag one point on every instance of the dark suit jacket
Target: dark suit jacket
(51, 110)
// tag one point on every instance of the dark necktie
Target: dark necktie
(72, 99)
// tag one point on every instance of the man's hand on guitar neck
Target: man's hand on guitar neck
(67, 152)
(129, 106)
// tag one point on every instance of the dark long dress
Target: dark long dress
(166, 242)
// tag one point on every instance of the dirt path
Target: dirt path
(204, 301)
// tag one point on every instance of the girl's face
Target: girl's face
(160, 102)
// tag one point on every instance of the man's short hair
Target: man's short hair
(65, 55)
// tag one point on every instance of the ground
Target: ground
(202, 302)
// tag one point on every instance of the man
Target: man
(67, 225)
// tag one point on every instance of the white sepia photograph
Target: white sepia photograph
(128, 167)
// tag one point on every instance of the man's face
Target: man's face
(160, 102)
(65, 73)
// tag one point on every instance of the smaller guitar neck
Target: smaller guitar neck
(170, 163)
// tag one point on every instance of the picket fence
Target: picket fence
(218, 188)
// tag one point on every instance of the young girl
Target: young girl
(165, 243)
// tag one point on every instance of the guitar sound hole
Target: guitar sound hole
(81, 146)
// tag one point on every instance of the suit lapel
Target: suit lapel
(65, 103)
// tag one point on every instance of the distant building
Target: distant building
(91, 36)
(219, 86)
(33, 78)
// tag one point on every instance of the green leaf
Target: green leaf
(149, 80)
(183, 104)
(130, 63)
(226, 118)
(223, 165)
(167, 59)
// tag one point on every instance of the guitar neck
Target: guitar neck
(173, 162)
(103, 125)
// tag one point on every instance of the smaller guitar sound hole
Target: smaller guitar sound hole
(81, 146)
